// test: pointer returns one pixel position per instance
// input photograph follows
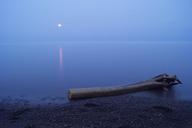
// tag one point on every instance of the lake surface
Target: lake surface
(48, 69)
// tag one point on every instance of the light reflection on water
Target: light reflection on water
(38, 70)
(61, 58)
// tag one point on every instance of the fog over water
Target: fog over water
(47, 47)
(50, 69)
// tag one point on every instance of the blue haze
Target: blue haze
(36, 20)
(102, 42)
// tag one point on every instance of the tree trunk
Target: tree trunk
(160, 81)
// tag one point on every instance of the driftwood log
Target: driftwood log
(160, 81)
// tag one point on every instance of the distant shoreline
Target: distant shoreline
(116, 112)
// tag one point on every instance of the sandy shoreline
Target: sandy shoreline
(110, 112)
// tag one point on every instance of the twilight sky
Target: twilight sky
(37, 20)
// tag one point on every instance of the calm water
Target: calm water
(48, 69)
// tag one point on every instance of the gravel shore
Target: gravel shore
(109, 112)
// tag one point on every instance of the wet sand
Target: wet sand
(109, 112)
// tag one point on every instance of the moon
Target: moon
(59, 25)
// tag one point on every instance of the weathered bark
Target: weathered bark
(160, 81)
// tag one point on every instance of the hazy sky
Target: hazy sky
(35, 20)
